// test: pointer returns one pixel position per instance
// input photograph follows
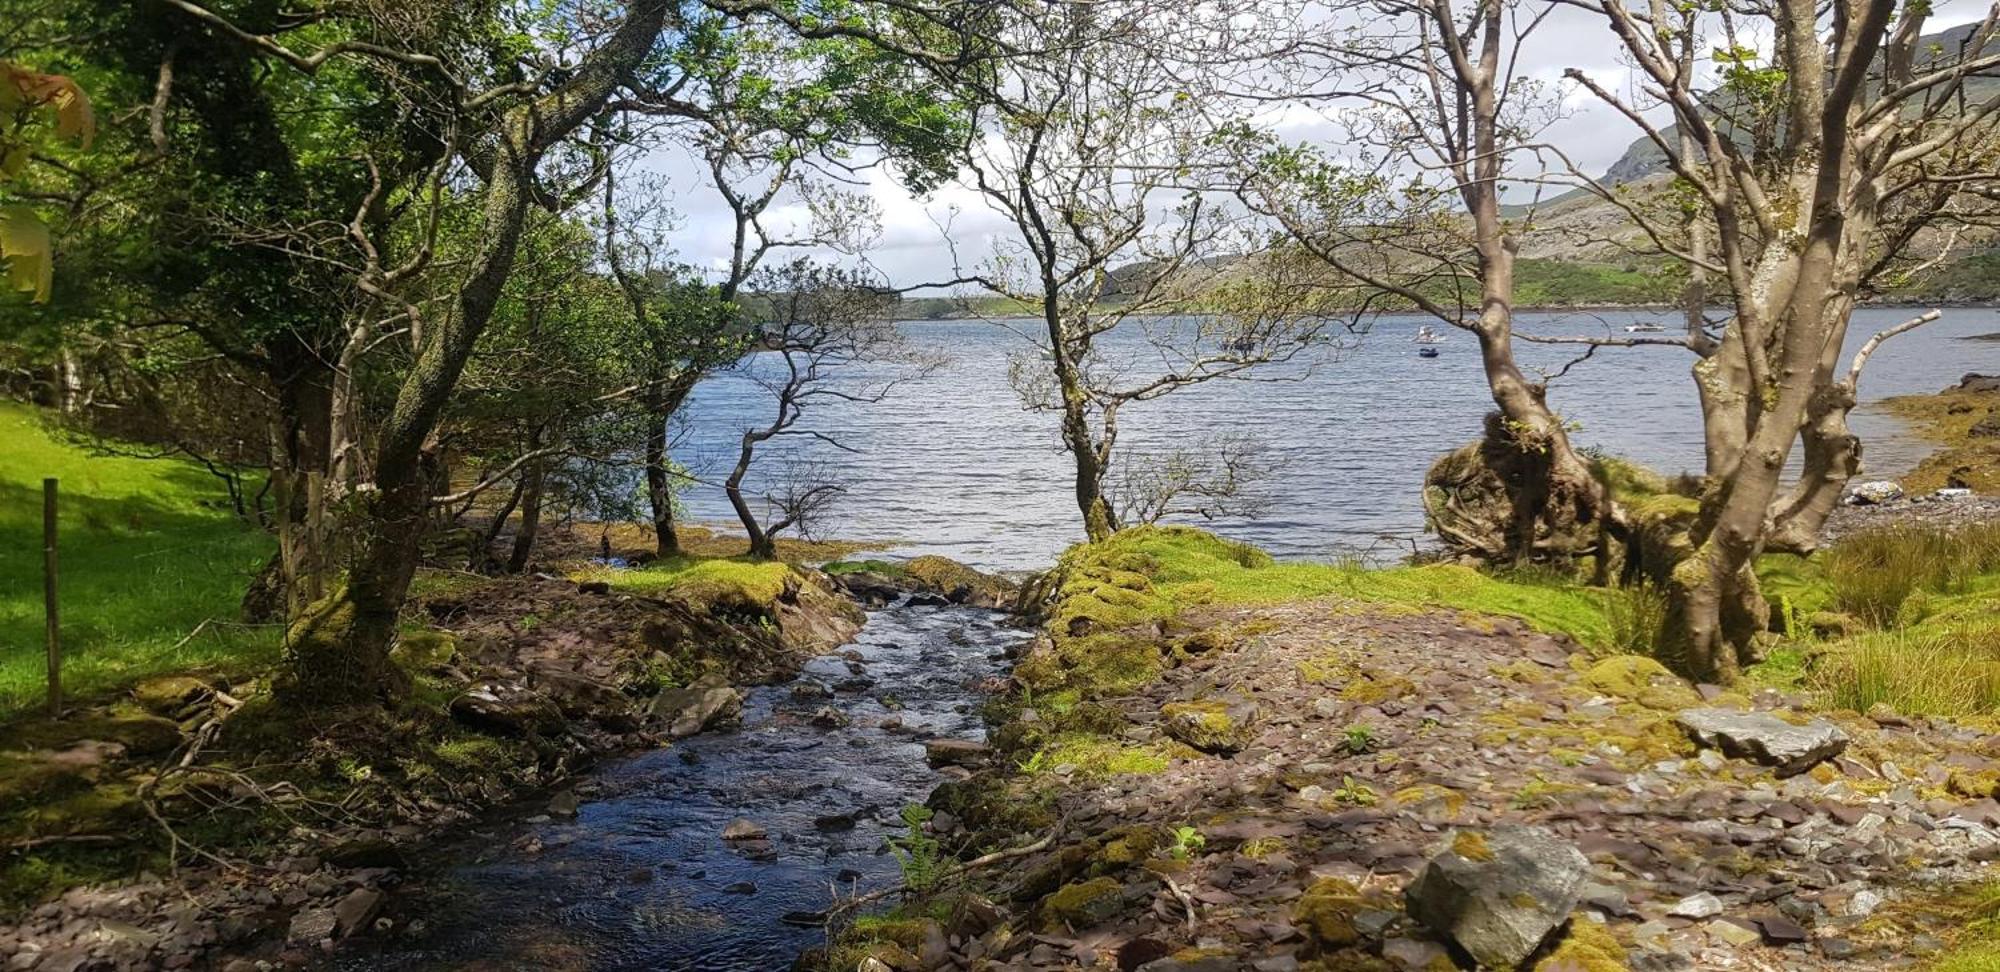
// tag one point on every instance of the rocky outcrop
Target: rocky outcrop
(1499, 894)
(1789, 748)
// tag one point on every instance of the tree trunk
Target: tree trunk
(531, 516)
(483, 556)
(659, 484)
(1098, 521)
(761, 544)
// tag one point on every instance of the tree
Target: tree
(1434, 123)
(821, 327)
(1807, 180)
(1098, 154)
(773, 117)
(504, 133)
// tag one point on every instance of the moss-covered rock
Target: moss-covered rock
(1210, 726)
(1588, 946)
(1083, 904)
(1639, 679)
(1043, 878)
(425, 649)
(1127, 846)
(1430, 801)
(961, 584)
(168, 695)
(1326, 913)
(1374, 689)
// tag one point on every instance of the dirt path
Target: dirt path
(1374, 737)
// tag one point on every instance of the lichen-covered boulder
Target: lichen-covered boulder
(1878, 491)
(1499, 894)
(1212, 726)
(1788, 748)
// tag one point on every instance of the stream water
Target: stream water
(641, 879)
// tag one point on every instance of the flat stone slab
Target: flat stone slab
(1764, 738)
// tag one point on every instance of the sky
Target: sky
(910, 247)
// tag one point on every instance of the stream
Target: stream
(642, 879)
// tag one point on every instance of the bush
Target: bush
(1916, 673)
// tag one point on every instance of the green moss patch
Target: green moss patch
(718, 580)
(1639, 679)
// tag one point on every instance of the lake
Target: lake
(953, 464)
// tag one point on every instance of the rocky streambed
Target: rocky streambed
(715, 853)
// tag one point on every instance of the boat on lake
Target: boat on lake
(1645, 327)
(1427, 335)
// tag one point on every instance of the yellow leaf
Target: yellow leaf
(74, 118)
(24, 244)
(13, 158)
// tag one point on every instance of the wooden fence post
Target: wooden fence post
(49, 595)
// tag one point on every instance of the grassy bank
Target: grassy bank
(149, 551)
(1115, 594)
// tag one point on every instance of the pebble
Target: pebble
(1697, 906)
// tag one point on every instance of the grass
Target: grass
(1877, 576)
(1915, 672)
(1925, 602)
(1973, 912)
(149, 550)
(1637, 617)
(1114, 591)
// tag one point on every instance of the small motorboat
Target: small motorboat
(1427, 352)
(1645, 327)
(1426, 335)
